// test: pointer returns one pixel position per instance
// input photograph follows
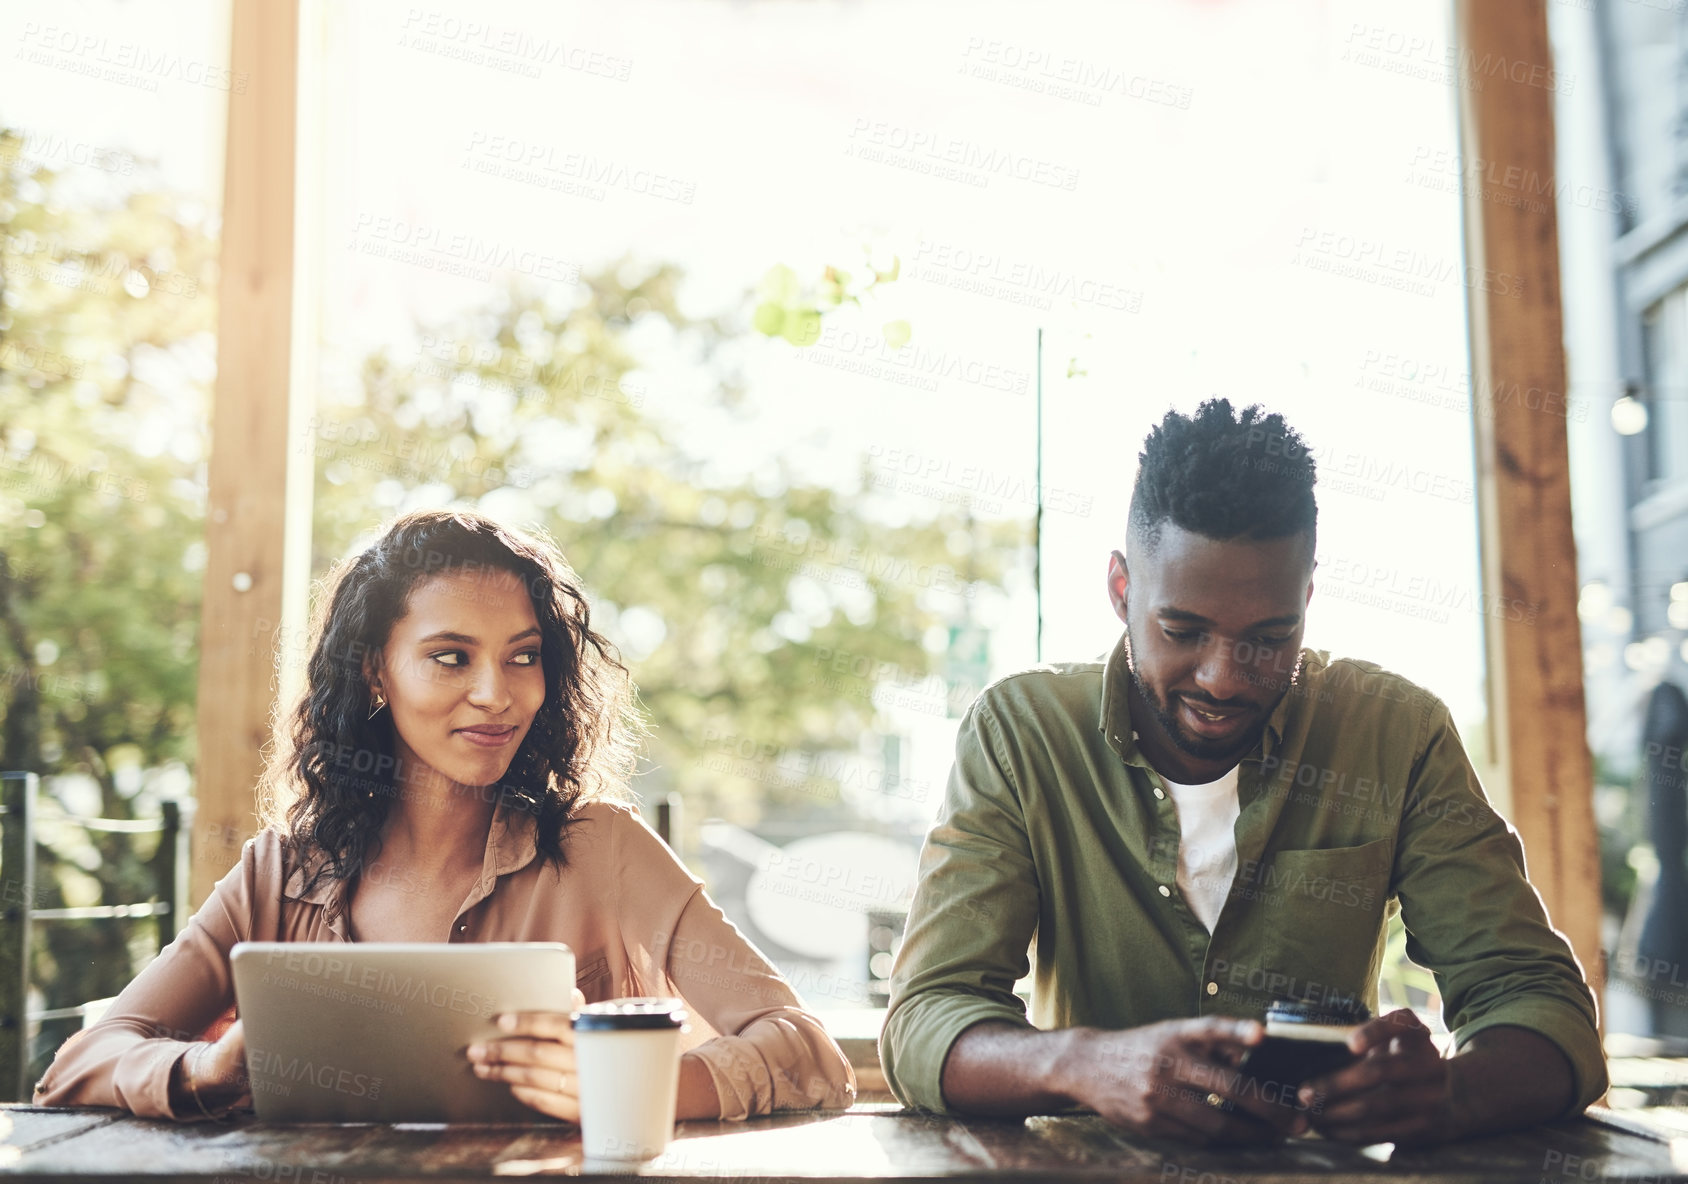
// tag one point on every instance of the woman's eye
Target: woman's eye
(456, 657)
(527, 658)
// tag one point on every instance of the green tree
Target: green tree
(739, 601)
(736, 599)
(106, 357)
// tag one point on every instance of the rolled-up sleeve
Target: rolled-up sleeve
(772, 1053)
(974, 913)
(125, 1059)
(1475, 921)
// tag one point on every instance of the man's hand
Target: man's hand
(1399, 1090)
(1168, 1080)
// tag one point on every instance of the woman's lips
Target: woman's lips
(487, 739)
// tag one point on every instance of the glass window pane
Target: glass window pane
(744, 304)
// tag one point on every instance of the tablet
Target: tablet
(376, 1032)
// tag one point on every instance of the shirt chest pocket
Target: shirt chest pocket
(1323, 913)
(1335, 880)
(592, 976)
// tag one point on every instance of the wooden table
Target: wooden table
(870, 1142)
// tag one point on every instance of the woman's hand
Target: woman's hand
(214, 1073)
(536, 1058)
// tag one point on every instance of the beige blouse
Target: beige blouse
(638, 922)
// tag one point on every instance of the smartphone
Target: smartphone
(1293, 1053)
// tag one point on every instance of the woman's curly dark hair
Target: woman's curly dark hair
(331, 779)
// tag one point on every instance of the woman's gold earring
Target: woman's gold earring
(376, 705)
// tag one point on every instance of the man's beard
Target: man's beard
(1195, 746)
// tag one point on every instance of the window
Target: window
(1664, 329)
(744, 304)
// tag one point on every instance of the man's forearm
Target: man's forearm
(1004, 1069)
(1507, 1078)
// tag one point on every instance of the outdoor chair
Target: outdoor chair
(18, 914)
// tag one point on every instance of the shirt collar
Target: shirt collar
(510, 842)
(510, 847)
(1116, 705)
(1115, 721)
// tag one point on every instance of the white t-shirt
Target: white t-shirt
(1207, 850)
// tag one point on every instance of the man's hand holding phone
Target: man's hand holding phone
(1398, 1088)
(1179, 1079)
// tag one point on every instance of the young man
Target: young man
(1214, 819)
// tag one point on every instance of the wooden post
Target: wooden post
(247, 518)
(17, 865)
(1519, 409)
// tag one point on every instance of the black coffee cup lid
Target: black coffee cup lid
(631, 1015)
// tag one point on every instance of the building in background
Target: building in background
(1622, 194)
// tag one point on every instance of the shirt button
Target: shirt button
(1213, 988)
(1159, 792)
(1165, 891)
(461, 928)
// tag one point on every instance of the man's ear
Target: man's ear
(1119, 581)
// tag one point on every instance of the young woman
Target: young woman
(449, 775)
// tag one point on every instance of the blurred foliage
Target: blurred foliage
(1403, 982)
(733, 585)
(733, 596)
(106, 354)
(790, 309)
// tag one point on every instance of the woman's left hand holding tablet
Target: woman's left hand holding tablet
(535, 1056)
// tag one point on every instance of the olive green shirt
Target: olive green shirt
(1358, 801)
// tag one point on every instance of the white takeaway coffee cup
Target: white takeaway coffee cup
(627, 1052)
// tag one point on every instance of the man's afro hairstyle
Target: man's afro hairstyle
(1224, 475)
